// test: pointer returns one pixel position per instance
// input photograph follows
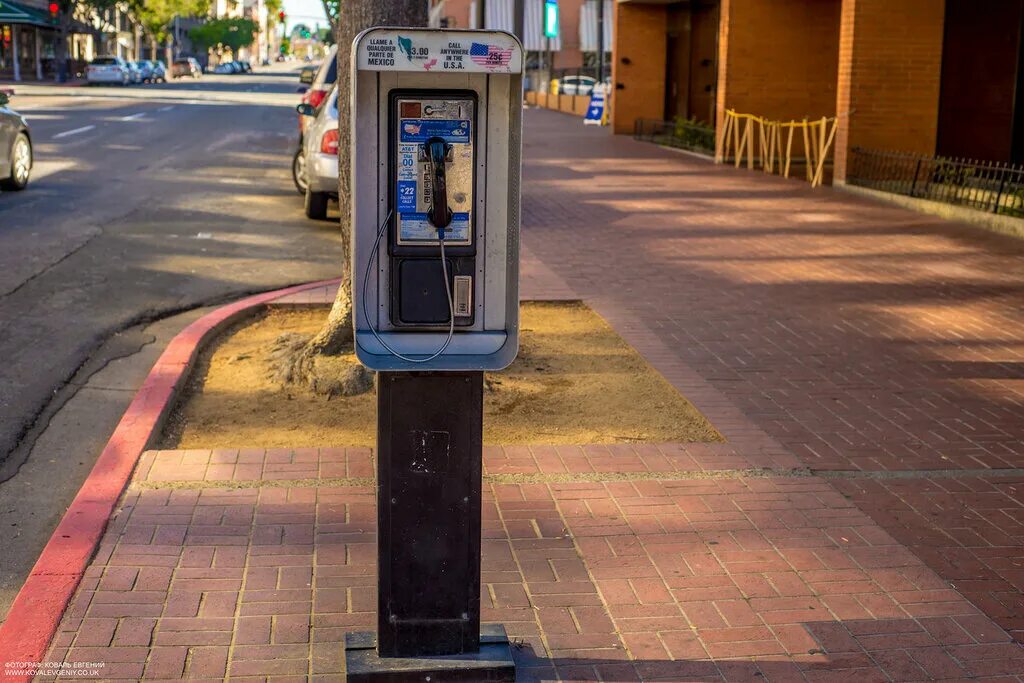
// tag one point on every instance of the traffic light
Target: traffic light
(280, 16)
(54, 11)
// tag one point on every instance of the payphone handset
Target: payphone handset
(435, 289)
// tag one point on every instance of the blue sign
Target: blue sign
(421, 130)
(406, 192)
(595, 110)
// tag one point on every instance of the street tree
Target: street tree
(96, 11)
(230, 34)
(314, 361)
(332, 8)
(157, 16)
(273, 15)
(238, 33)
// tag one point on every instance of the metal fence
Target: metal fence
(681, 133)
(983, 185)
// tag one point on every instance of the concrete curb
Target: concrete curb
(39, 606)
(999, 223)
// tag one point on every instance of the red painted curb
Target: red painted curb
(40, 604)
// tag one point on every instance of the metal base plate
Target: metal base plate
(493, 662)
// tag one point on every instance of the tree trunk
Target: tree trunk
(354, 17)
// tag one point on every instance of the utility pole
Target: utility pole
(600, 41)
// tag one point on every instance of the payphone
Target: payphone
(435, 187)
(436, 138)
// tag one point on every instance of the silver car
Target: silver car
(15, 148)
(108, 70)
(317, 170)
(159, 70)
(137, 75)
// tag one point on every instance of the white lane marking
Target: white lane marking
(132, 117)
(74, 131)
(168, 108)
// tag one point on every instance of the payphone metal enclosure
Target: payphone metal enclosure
(419, 95)
(436, 138)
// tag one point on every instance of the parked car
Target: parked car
(225, 68)
(307, 74)
(576, 85)
(320, 85)
(159, 71)
(108, 70)
(319, 167)
(15, 147)
(138, 72)
(147, 69)
(186, 66)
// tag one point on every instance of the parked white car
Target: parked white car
(576, 85)
(317, 170)
(108, 70)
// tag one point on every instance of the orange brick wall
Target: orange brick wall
(639, 38)
(890, 65)
(778, 59)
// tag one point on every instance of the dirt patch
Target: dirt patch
(575, 381)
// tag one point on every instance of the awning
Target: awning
(16, 13)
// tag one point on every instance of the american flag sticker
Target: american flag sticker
(490, 56)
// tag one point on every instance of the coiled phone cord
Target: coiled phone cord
(447, 289)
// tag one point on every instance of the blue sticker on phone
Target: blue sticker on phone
(406, 191)
(417, 227)
(421, 130)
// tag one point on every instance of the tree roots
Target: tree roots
(295, 359)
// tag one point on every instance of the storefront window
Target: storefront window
(6, 49)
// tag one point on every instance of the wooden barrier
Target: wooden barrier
(740, 132)
(576, 105)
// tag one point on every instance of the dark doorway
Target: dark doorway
(691, 60)
(981, 105)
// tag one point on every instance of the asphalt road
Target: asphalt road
(145, 202)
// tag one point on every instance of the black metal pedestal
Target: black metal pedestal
(429, 458)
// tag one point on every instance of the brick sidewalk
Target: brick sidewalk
(862, 362)
(862, 337)
(678, 573)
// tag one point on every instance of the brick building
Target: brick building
(574, 50)
(925, 76)
(29, 38)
